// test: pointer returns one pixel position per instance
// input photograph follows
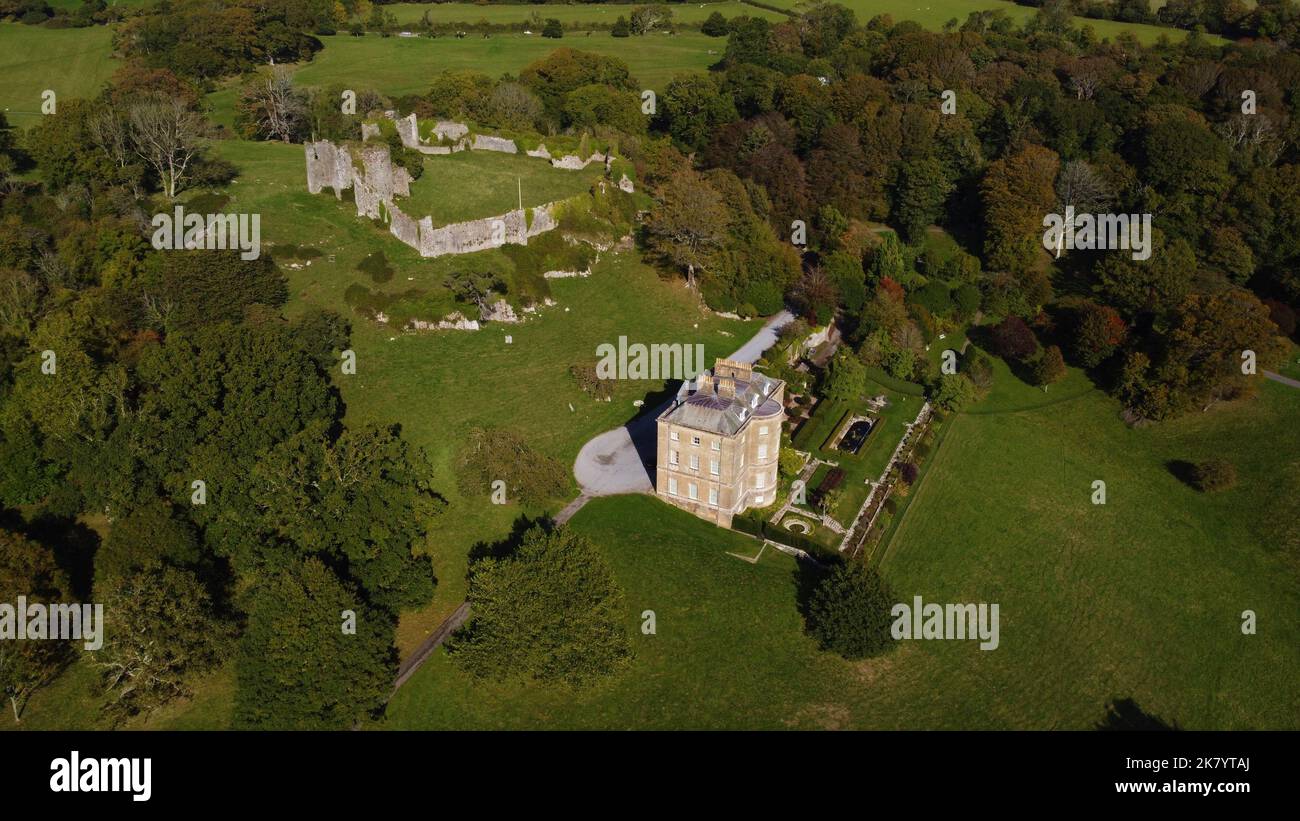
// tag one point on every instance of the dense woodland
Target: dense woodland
(178, 367)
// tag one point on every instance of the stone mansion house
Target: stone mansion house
(719, 441)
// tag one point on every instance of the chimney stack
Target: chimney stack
(726, 387)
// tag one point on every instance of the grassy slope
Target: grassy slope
(438, 385)
(73, 63)
(1138, 599)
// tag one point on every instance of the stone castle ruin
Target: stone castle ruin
(367, 169)
(458, 134)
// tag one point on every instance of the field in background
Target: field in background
(73, 63)
(397, 66)
(933, 14)
(597, 13)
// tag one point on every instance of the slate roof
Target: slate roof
(699, 406)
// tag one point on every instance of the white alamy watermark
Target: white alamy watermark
(1098, 232)
(654, 361)
(225, 232)
(36, 621)
(946, 621)
(77, 774)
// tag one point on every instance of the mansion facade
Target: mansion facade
(718, 443)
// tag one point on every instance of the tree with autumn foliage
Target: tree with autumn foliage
(1017, 192)
(689, 223)
(1099, 331)
(1013, 339)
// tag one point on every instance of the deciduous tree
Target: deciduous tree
(551, 612)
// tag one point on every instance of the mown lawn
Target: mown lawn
(1140, 598)
(73, 63)
(870, 461)
(728, 651)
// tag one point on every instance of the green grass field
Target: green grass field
(576, 14)
(405, 65)
(73, 63)
(474, 184)
(933, 14)
(1138, 599)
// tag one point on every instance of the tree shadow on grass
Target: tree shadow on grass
(807, 576)
(1181, 470)
(506, 546)
(1125, 714)
(74, 546)
(982, 337)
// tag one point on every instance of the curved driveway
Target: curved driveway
(622, 460)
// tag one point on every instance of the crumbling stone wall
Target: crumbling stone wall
(379, 181)
(482, 142)
(403, 227)
(328, 166)
(573, 162)
(375, 184)
(510, 228)
(447, 130)
(408, 130)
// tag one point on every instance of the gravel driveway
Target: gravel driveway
(622, 460)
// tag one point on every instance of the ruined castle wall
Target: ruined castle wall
(483, 142)
(544, 219)
(374, 185)
(369, 130)
(403, 227)
(474, 235)
(540, 152)
(408, 130)
(573, 162)
(447, 130)
(328, 166)
(378, 181)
